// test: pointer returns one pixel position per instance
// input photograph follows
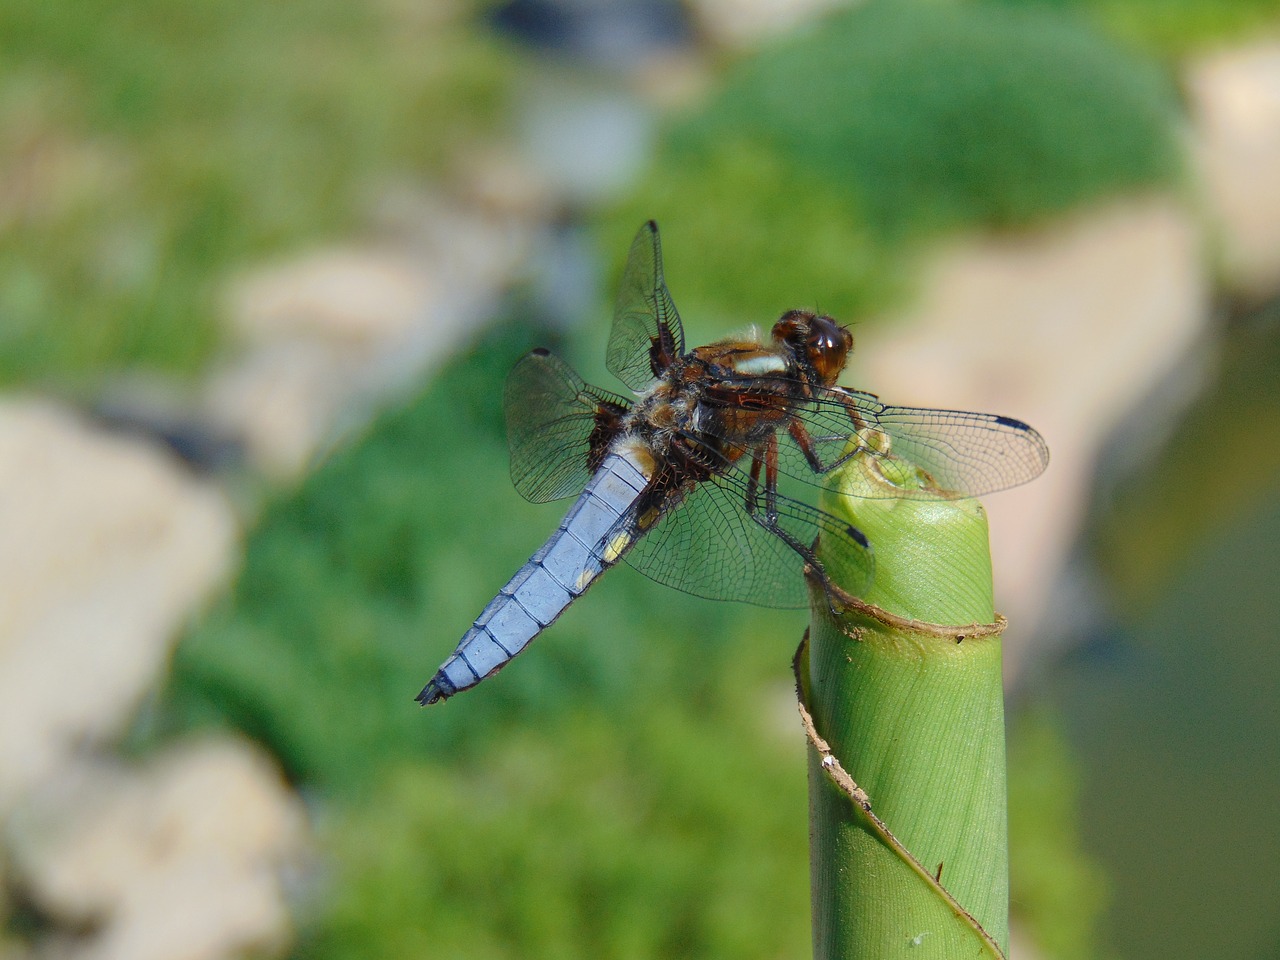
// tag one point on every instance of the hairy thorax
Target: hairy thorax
(714, 404)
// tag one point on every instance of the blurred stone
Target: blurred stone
(179, 860)
(334, 335)
(1066, 327)
(283, 400)
(1235, 107)
(348, 295)
(745, 23)
(612, 34)
(676, 82)
(589, 139)
(108, 547)
(148, 405)
(495, 180)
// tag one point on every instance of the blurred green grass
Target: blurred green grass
(824, 162)
(1172, 29)
(149, 148)
(659, 833)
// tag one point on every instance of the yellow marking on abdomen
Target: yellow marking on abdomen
(615, 547)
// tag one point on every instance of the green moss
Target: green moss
(759, 238)
(653, 837)
(156, 146)
(825, 157)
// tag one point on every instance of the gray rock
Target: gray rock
(748, 23)
(181, 859)
(108, 548)
(1234, 98)
(332, 336)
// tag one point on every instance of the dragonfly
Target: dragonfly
(691, 479)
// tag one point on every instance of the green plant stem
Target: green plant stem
(917, 865)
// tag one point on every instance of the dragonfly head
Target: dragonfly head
(817, 342)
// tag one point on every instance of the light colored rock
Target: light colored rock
(1066, 327)
(589, 142)
(677, 80)
(347, 295)
(496, 179)
(336, 334)
(108, 547)
(1234, 98)
(179, 860)
(284, 399)
(743, 23)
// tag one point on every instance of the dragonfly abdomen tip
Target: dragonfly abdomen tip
(438, 689)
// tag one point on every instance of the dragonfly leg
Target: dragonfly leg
(767, 453)
(771, 479)
(855, 415)
(804, 440)
(753, 480)
(766, 456)
(800, 434)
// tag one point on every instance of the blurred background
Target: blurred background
(263, 270)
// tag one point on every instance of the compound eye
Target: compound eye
(822, 334)
(828, 347)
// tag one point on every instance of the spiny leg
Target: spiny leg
(753, 481)
(766, 455)
(800, 434)
(769, 453)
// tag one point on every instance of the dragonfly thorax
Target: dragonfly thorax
(714, 404)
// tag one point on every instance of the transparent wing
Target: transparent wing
(710, 546)
(646, 326)
(555, 421)
(970, 454)
(967, 453)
